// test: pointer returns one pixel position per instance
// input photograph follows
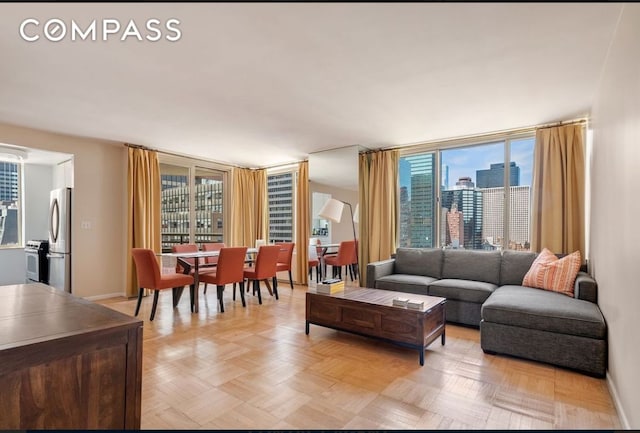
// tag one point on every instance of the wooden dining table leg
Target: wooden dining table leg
(177, 291)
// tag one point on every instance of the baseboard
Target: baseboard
(616, 401)
(107, 296)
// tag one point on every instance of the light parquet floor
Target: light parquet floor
(254, 368)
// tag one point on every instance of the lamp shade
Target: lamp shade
(356, 214)
(332, 210)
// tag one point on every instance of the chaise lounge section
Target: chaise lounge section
(484, 289)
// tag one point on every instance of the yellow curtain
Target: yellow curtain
(249, 213)
(558, 190)
(143, 193)
(378, 190)
(303, 221)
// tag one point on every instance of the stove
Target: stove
(36, 252)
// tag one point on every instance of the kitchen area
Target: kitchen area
(36, 231)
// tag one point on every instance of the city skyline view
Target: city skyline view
(471, 188)
(465, 161)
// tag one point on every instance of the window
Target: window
(280, 192)
(471, 208)
(10, 215)
(192, 205)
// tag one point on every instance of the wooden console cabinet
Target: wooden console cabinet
(67, 363)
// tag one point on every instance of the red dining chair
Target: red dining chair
(229, 269)
(284, 259)
(211, 260)
(345, 257)
(265, 267)
(149, 277)
(185, 248)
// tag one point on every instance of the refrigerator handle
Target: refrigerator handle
(54, 223)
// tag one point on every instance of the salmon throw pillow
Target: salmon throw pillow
(548, 272)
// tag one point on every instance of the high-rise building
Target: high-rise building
(469, 202)
(494, 176)
(9, 233)
(455, 227)
(280, 191)
(519, 216)
(8, 181)
(405, 217)
(422, 203)
(174, 198)
(445, 176)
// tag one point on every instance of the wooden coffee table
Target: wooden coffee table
(370, 312)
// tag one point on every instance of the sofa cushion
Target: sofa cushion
(405, 283)
(527, 307)
(462, 290)
(419, 261)
(514, 266)
(550, 273)
(472, 265)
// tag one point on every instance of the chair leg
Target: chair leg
(350, 272)
(220, 292)
(244, 304)
(155, 304)
(205, 288)
(140, 292)
(192, 292)
(290, 279)
(256, 288)
(275, 286)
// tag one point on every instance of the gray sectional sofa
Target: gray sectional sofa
(483, 289)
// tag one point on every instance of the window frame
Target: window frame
(192, 165)
(437, 147)
(20, 203)
(294, 170)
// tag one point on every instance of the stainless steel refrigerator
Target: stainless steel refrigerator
(60, 239)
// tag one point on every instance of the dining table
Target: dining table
(183, 259)
(326, 250)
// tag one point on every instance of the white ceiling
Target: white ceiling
(261, 84)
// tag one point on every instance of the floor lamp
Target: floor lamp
(332, 210)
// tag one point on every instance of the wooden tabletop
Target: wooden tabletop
(380, 297)
(32, 313)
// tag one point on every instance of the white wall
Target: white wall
(99, 201)
(615, 211)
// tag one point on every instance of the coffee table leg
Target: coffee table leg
(421, 356)
(443, 337)
(306, 327)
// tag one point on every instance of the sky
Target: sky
(465, 161)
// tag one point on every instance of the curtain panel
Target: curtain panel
(249, 213)
(303, 221)
(143, 208)
(378, 195)
(558, 221)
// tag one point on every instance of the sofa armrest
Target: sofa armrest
(586, 288)
(377, 270)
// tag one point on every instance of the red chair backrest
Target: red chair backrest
(184, 248)
(212, 246)
(267, 261)
(286, 252)
(230, 267)
(147, 267)
(346, 252)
